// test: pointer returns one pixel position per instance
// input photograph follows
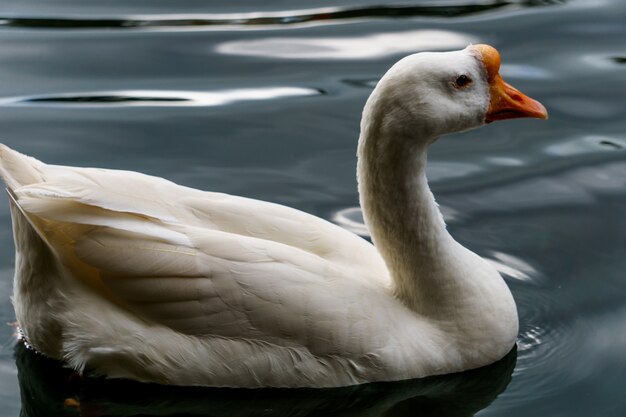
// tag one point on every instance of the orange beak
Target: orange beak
(506, 101)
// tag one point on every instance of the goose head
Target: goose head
(429, 94)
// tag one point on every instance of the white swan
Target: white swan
(131, 276)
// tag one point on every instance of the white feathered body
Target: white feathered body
(131, 276)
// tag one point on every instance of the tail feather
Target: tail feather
(18, 170)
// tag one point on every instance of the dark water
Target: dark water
(263, 99)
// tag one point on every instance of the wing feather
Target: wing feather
(147, 196)
(210, 264)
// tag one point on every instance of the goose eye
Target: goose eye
(462, 81)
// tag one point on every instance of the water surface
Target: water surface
(263, 99)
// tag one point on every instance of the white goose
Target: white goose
(131, 276)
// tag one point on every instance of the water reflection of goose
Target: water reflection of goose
(47, 388)
(132, 276)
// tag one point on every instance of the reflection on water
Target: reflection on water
(159, 98)
(351, 218)
(362, 47)
(295, 17)
(49, 389)
(512, 267)
(586, 145)
(525, 71)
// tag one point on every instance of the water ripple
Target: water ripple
(351, 218)
(543, 347)
(151, 98)
(279, 18)
(581, 145)
(512, 266)
(347, 47)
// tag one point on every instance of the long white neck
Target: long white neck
(400, 210)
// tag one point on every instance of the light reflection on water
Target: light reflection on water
(262, 100)
(348, 48)
(159, 98)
